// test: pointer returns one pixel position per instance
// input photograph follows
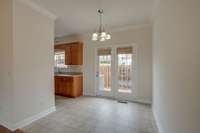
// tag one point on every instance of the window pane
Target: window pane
(59, 59)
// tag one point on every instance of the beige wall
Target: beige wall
(26, 70)
(177, 66)
(139, 35)
(5, 61)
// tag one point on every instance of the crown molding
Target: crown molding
(37, 8)
(130, 27)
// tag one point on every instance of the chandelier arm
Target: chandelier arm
(100, 11)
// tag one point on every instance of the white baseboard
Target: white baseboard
(6, 124)
(157, 122)
(135, 100)
(29, 120)
(143, 101)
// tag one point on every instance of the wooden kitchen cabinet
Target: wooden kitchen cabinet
(73, 52)
(56, 84)
(76, 54)
(69, 86)
(67, 54)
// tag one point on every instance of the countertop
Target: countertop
(68, 74)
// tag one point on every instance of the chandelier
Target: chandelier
(101, 35)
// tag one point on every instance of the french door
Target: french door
(115, 72)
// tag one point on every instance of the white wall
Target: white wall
(139, 35)
(5, 61)
(33, 62)
(27, 60)
(177, 66)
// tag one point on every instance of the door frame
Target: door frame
(104, 94)
(114, 85)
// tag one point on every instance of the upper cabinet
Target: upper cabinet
(73, 52)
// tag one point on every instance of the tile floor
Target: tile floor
(95, 115)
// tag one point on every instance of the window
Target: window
(59, 58)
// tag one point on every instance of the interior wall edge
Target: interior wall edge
(157, 121)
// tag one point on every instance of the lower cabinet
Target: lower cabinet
(69, 86)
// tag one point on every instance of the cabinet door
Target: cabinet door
(80, 54)
(62, 86)
(59, 85)
(69, 87)
(67, 55)
(76, 54)
(66, 86)
(56, 85)
(78, 86)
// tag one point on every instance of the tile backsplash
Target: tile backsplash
(68, 68)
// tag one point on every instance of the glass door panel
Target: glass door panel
(124, 73)
(124, 70)
(105, 72)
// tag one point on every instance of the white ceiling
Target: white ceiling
(79, 16)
